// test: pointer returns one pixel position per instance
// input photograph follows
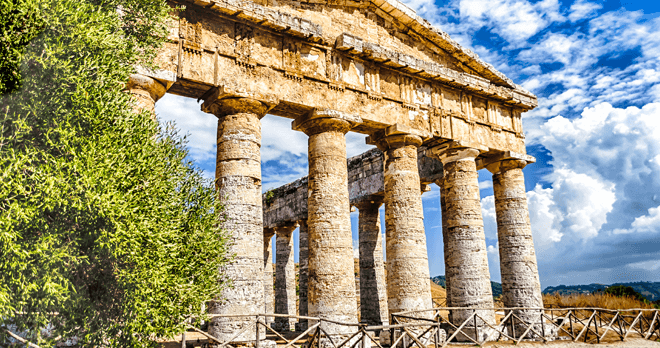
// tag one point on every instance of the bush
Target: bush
(107, 233)
(625, 291)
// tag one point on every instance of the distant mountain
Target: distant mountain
(650, 290)
(497, 287)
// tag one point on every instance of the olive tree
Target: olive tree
(107, 232)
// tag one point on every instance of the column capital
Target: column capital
(324, 120)
(505, 161)
(505, 165)
(142, 84)
(222, 101)
(396, 136)
(286, 228)
(456, 151)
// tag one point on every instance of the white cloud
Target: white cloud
(644, 223)
(582, 9)
(582, 203)
(489, 216)
(277, 138)
(200, 127)
(514, 20)
(650, 265)
(485, 184)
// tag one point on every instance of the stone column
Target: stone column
(302, 274)
(373, 291)
(331, 282)
(146, 92)
(269, 289)
(466, 259)
(285, 278)
(238, 181)
(520, 277)
(408, 284)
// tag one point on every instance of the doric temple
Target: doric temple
(434, 110)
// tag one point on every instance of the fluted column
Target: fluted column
(238, 181)
(146, 91)
(331, 282)
(285, 278)
(408, 286)
(302, 273)
(520, 277)
(269, 290)
(373, 285)
(466, 259)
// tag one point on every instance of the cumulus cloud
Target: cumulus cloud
(645, 223)
(513, 20)
(582, 9)
(278, 139)
(200, 127)
(600, 202)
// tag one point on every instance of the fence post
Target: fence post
(256, 329)
(513, 325)
(476, 333)
(542, 325)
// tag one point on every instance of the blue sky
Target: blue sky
(594, 194)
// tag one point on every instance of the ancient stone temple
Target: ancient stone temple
(435, 111)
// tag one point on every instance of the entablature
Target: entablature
(239, 45)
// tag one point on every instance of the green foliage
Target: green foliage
(270, 194)
(107, 233)
(19, 23)
(649, 290)
(625, 291)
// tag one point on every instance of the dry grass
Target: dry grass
(600, 300)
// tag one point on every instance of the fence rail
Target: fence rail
(428, 328)
(424, 329)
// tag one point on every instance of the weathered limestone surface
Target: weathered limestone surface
(365, 180)
(331, 283)
(373, 285)
(520, 278)
(302, 272)
(238, 181)
(285, 278)
(376, 59)
(407, 263)
(466, 259)
(269, 290)
(146, 92)
(368, 66)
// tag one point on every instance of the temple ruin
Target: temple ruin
(436, 113)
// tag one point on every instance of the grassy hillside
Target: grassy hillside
(598, 300)
(650, 290)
